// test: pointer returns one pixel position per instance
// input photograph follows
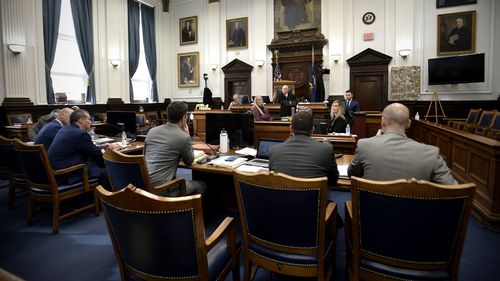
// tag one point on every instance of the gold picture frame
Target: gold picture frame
(188, 70)
(237, 33)
(188, 30)
(456, 33)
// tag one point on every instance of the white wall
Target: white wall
(399, 24)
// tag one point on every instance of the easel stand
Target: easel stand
(435, 100)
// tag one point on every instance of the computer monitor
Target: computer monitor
(239, 127)
(121, 121)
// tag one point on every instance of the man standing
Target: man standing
(73, 145)
(187, 71)
(287, 101)
(49, 131)
(301, 156)
(166, 145)
(351, 105)
(391, 155)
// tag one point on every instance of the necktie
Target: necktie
(348, 104)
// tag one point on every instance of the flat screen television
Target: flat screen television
(239, 127)
(121, 121)
(455, 70)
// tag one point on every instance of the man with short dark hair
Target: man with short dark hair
(351, 105)
(49, 131)
(73, 145)
(166, 145)
(391, 155)
(301, 156)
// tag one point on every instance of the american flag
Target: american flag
(277, 73)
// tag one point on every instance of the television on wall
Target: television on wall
(456, 70)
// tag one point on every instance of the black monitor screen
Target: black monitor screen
(239, 127)
(121, 121)
(454, 70)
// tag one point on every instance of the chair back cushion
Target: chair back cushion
(34, 162)
(473, 115)
(496, 122)
(156, 235)
(9, 159)
(121, 174)
(486, 118)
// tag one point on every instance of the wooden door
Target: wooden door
(368, 91)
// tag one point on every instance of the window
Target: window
(141, 81)
(68, 73)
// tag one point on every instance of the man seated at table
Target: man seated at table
(42, 121)
(392, 155)
(301, 156)
(236, 101)
(73, 145)
(49, 131)
(166, 145)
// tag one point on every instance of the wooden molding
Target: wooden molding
(115, 101)
(17, 102)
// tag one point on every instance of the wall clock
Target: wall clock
(368, 18)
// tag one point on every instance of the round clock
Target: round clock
(368, 18)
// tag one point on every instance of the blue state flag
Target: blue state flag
(312, 83)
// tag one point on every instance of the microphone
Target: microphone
(208, 157)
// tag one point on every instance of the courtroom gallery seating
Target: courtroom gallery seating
(44, 186)
(161, 238)
(471, 119)
(288, 225)
(405, 229)
(493, 131)
(484, 122)
(15, 174)
(125, 169)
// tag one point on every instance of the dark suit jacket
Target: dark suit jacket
(286, 103)
(337, 125)
(353, 107)
(72, 146)
(300, 156)
(48, 133)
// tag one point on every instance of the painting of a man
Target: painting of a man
(460, 36)
(237, 31)
(456, 33)
(188, 69)
(296, 14)
(188, 28)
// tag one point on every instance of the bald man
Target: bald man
(392, 155)
(49, 131)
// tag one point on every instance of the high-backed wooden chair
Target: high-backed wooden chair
(161, 238)
(44, 186)
(492, 130)
(125, 169)
(22, 118)
(472, 118)
(10, 163)
(152, 118)
(288, 225)
(406, 229)
(484, 122)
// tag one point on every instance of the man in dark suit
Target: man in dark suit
(73, 145)
(301, 156)
(351, 106)
(49, 131)
(287, 100)
(238, 36)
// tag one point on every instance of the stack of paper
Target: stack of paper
(221, 162)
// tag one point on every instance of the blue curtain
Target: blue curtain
(133, 42)
(148, 34)
(82, 19)
(51, 16)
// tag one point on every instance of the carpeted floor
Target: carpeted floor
(82, 250)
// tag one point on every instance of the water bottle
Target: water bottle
(124, 139)
(348, 129)
(92, 134)
(293, 111)
(417, 117)
(224, 141)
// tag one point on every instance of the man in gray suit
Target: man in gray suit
(166, 145)
(391, 155)
(301, 156)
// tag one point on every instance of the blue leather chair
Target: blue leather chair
(126, 169)
(12, 168)
(288, 225)
(44, 186)
(406, 229)
(162, 238)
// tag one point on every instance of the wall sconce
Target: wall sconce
(404, 53)
(214, 66)
(115, 62)
(260, 63)
(16, 49)
(336, 57)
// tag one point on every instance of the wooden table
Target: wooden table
(19, 131)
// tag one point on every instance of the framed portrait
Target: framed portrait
(456, 33)
(451, 3)
(296, 15)
(237, 33)
(188, 70)
(188, 30)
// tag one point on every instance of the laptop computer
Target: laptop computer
(262, 157)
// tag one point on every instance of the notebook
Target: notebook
(262, 157)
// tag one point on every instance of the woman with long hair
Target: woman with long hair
(260, 112)
(337, 122)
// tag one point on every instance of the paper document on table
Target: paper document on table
(102, 140)
(342, 169)
(250, 169)
(247, 151)
(221, 162)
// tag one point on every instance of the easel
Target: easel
(435, 100)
